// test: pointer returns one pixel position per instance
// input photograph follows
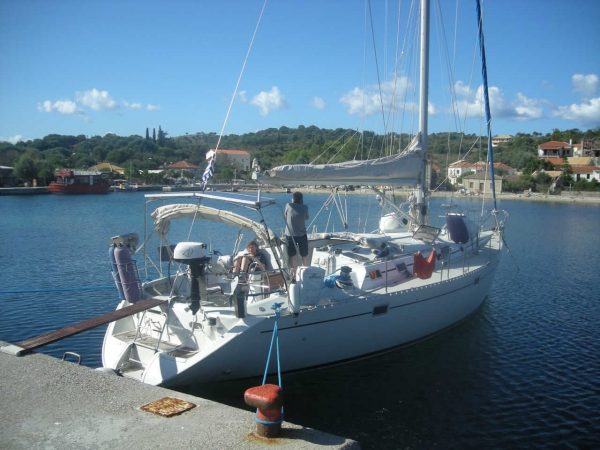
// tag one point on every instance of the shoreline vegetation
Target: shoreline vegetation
(564, 197)
(147, 160)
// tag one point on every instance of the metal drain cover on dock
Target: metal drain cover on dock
(168, 406)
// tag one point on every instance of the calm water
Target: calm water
(524, 372)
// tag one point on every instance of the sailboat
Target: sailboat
(204, 319)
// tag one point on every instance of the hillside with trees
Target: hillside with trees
(37, 159)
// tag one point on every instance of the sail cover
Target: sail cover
(403, 169)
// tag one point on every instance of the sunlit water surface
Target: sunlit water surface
(523, 372)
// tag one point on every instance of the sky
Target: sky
(121, 66)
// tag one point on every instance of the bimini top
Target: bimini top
(164, 214)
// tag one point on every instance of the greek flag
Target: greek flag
(210, 166)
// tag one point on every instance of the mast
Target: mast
(424, 74)
(418, 201)
(486, 97)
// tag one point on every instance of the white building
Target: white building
(462, 168)
(480, 183)
(501, 139)
(239, 159)
(587, 173)
(458, 169)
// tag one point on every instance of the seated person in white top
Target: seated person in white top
(252, 259)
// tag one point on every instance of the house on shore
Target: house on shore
(108, 167)
(560, 149)
(555, 149)
(461, 168)
(582, 168)
(236, 158)
(587, 148)
(501, 139)
(479, 183)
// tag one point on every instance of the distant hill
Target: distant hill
(39, 157)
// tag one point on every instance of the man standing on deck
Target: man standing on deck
(296, 214)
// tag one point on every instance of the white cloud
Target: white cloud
(134, 105)
(470, 103)
(318, 103)
(66, 107)
(14, 139)
(587, 112)
(528, 108)
(243, 96)
(369, 101)
(268, 102)
(463, 90)
(587, 85)
(96, 100)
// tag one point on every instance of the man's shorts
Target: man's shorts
(301, 242)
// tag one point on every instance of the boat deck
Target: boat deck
(153, 343)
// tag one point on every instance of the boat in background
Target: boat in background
(71, 181)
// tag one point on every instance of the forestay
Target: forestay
(403, 169)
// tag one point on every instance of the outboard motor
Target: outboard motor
(192, 254)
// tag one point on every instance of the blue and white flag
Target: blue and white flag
(210, 166)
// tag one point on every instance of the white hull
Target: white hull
(355, 324)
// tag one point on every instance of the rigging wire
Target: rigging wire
(377, 68)
(237, 85)
(331, 145)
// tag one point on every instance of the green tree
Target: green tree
(25, 168)
(45, 172)
(567, 171)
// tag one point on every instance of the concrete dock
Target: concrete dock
(52, 404)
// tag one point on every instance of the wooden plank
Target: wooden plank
(38, 341)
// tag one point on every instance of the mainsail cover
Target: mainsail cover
(403, 169)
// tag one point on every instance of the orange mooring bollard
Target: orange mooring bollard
(268, 400)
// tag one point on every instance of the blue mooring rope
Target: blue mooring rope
(274, 340)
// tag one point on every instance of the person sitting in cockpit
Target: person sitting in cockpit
(252, 260)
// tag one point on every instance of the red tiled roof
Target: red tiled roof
(573, 161)
(554, 145)
(233, 152)
(584, 169)
(497, 165)
(556, 162)
(463, 165)
(182, 165)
